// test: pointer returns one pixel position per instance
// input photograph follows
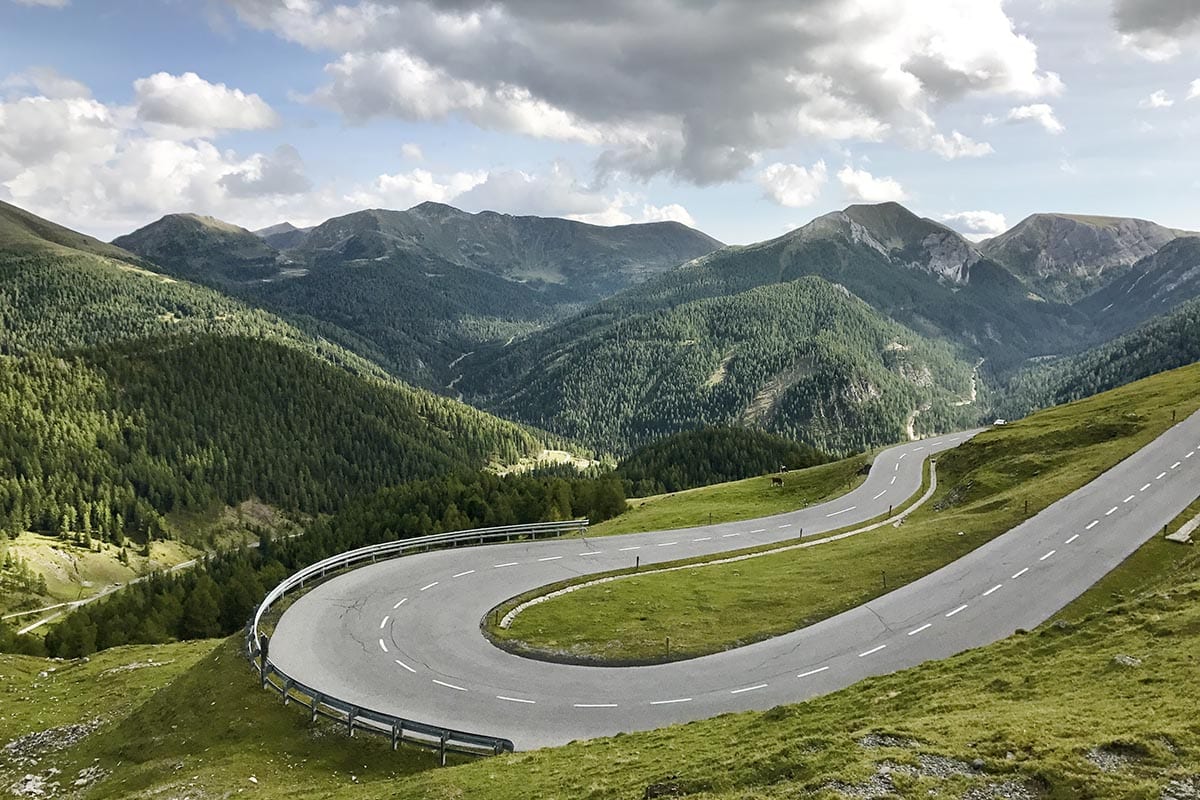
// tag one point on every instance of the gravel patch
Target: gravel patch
(1182, 789)
(874, 740)
(24, 752)
(1005, 790)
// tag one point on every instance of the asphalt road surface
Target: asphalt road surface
(403, 636)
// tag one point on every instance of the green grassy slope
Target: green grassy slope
(983, 487)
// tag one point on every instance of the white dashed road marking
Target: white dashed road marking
(429, 586)
(670, 702)
(1111, 511)
(402, 602)
(812, 672)
(727, 535)
(843, 511)
(963, 607)
(1073, 538)
(1092, 524)
(1144, 488)
(595, 705)
(1043, 558)
(406, 666)
(449, 685)
(1130, 498)
(872, 650)
(592, 553)
(1176, 465)
(383, 624)
(881, 494)
(382, 646)
(703, 539)
(1160, 476)
(666, 544)
(893, 483)
(1019, 574)
(924, 627)
(748, 689)
(461, 574)
(506, 564)
(550, 558)
(993, 589)
(515, 699)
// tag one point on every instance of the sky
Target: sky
(744, 118)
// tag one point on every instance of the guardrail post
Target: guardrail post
(395, 734)
(316, 701)
(263, 666)
(287, 688)
(442, 747)
(350, 715)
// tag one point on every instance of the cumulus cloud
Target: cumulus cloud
(1039, 113)
(1194, 90)
(1158, 99)
(281, 173)
(695, 90)
(863, 187)
(412, 151)
(189, 103)
(46, 82)
(976, 225)
(1157, 29)
(792, 185)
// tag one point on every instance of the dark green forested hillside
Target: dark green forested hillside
(712, 454)
(106, 441)
(1167, 342)
(804, 359)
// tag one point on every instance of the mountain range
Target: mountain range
(864, 326)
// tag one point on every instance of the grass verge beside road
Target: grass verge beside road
(986, 487)
(739, 500)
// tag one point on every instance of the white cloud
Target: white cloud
(45, 3)
(1157, 29)
(792, 185)
(189, 103)
(405, 189)
(412, 151)
(641, 81)
(1194, 90)
(1039, 113)
(672, 212)
(956, 145)
(863, 187)
(47, 82)
(976, 225)
(1158, 99)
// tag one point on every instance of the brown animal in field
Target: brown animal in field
(777, 482)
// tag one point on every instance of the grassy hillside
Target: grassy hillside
(802, 359)
(983, 487)
(1045, 714)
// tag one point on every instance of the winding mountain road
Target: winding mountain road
(403, 636)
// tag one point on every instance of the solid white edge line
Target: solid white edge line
(430, 586)
(449, 685)
(406, 666)
(1019, 574)
(461, 574)
(963, 607)
(550, 558)
(924, 627)
(872, 650)
(382, 646)
(670, 702)
(516, 700)
(384, 623)
(402, 602)
(812, 672)
(1043, 558)
(1073, 538)
(748, 688)
(993, 589)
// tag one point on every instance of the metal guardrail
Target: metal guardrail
(356, 717)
